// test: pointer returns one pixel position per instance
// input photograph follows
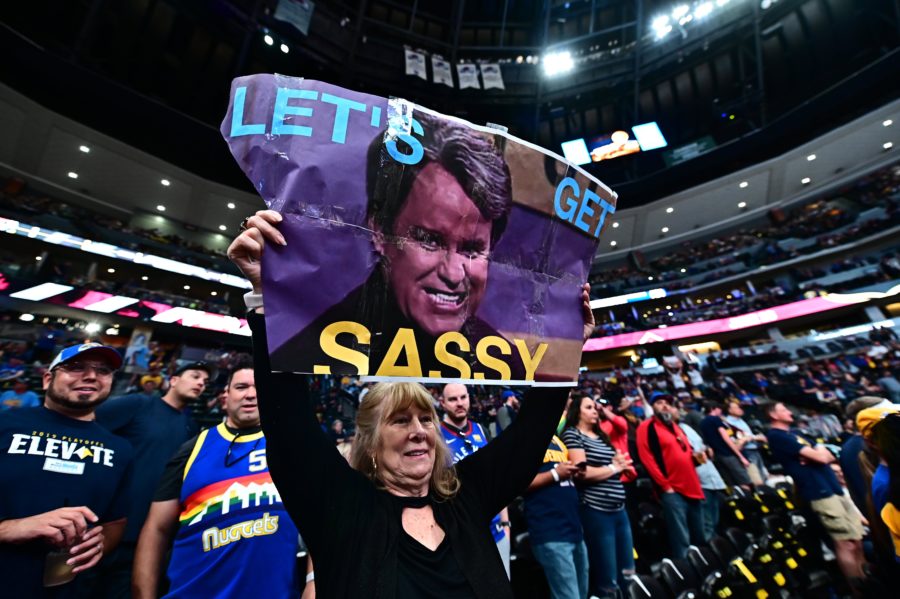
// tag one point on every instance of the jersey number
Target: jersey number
(258, 460)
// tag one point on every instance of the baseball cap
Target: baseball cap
(102, 351)
(868, 418)
(658, 396)
(205, 366)
(507, 394)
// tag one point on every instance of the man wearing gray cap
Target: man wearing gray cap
(156, 427)
(65, 479)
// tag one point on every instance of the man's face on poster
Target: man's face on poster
(438, 255)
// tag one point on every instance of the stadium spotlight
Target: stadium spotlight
(811, 157)
(742, 204)
(165, 182)
(91, 328)
(661, 26)
(887, 123)
(670, 210)
(231, 206)
(665, 229)
(26, 317)
(284, 48)
(680, 11)
(721, 2)
(73, 175)
(805, 181)
(268, 39)
(613, 243)
(743, 184)
(703, 9)
(222, 227)
(161, 208)
(615, 225)
(84, 149)
(888, 145)
(557, 63)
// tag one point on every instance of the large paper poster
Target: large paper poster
(418, 245)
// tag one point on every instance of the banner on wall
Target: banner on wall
(415, 64)
(440, 70)
(418, 245)
(468, 76)
(296, 12)
(492, 76)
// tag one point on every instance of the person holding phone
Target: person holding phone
(607, 530)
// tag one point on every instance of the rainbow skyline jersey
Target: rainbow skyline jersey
(234, 536)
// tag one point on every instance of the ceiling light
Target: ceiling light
(805, 180)
(73, 175)
(26, 317)
(268, 39)
(165, 182)
(557, 63)
(38, 258)
(112, 331)
(887, 145)
(665, 229)
(661, 26)
(231, 205)
(670, 210)
(615, 225)
(680, 11)
(91, 327)
(742, 204)
(650, 279)
(187, 287)
(888, 122)
(144, 278)
(683, 270)
(284, 48)
(743, 184)
(222, 227)
(161, 208)
(214, 293)
(613, 243)
(811, 157)
(110, 270)
(85, 149)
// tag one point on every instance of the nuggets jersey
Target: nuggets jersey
(234, 536)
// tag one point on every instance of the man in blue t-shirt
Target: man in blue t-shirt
(156, 427)
(554, 527)
(65, 480)
(464, 437)
(810, 467)
(720, 437)
(19, 396)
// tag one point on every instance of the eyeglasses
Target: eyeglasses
(80, 368)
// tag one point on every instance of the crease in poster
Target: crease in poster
(418, 245)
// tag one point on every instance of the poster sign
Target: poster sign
(418, 245)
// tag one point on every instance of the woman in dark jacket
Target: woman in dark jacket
(398, 521)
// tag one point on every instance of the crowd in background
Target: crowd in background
(830, 221)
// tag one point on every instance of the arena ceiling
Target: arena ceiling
(155, 73)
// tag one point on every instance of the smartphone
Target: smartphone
(581, 465)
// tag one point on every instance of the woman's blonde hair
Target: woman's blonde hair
(379, 404)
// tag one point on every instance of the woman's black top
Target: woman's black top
(354, 531)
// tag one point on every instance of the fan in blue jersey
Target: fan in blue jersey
(218, 509)
(464, 437)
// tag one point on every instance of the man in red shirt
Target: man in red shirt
(668, 457)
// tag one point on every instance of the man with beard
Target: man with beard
(464, 437)
(156, 427)
(221, 548)
(65, 479)
(667, 455)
